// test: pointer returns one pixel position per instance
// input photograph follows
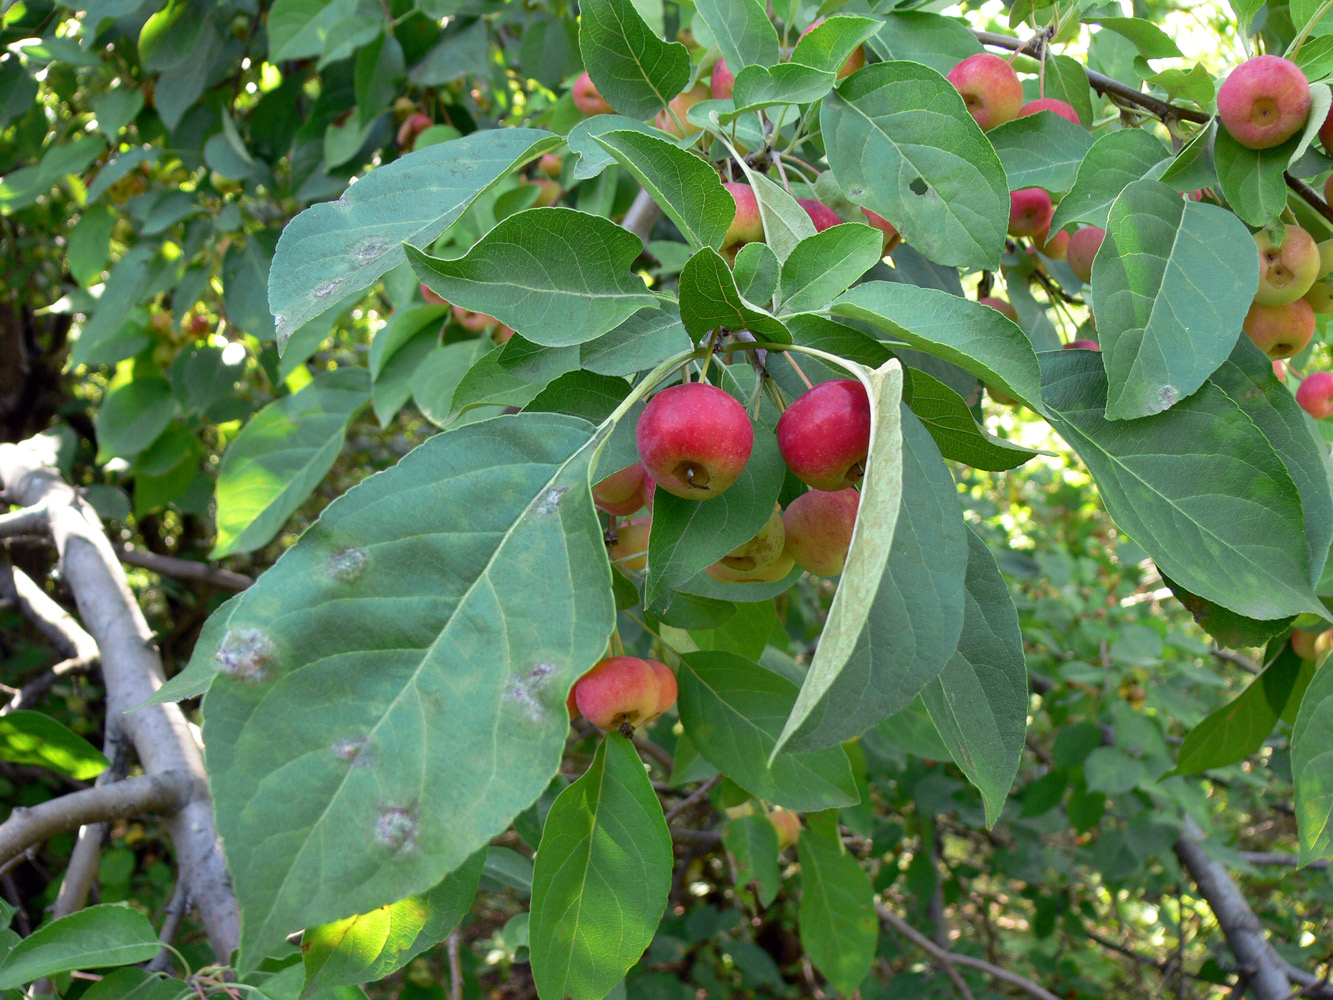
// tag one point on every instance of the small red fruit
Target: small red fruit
(1062, 109)
(819, 529)
(621, 492)
(990, 88)
(1286, 272)
(1030, 211)
(820, 214)
(1083, 246)
(1082, 345)
(722, 82)
(756, 558)
(431, 297)
(1000, 306)
(625, 690)
(1264, 101)
(746, 225)
(1280, 331)
(473, 321)
(1315, 394)
(854, 61)
(824, 435)
(587, 98)
(891, 235)
(412, 127)
(694, 440)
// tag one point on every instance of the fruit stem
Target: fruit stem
(792, 361)
(637, 393)
(1309, 26)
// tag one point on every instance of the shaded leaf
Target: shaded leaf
(634, 70)
(92, 938)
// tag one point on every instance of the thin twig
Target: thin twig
(31, 693)
(953, 958)
(183, 569)
(27, 521)
(647, 746)
(455, 967)
(694, 796)
(171, 923)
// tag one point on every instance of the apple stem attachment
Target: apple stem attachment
(695, 476)
(856, 473)
(627, 731)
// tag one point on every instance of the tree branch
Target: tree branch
(132, 672)
(1258, 961)
(642, 216)
(953, 958)
(27, 521)
(1284, 860)
(162, 792)
(53, 621)
(183, 569)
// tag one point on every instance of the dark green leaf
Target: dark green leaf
(753, 843)
(825, 265)
(1312, 767)
(132, 415)
(742, 31)
(837, 917)
(1252, 180)
(92, 938)
(709, 299)
(1042, 150)
(634, 70)
(1115, 160)
(956, 431)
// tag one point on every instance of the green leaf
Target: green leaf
(634, 70)
(132, 416)
(1312, 767)
(115, 109)
(899, 608)
(245, 272)
(339, 247)
(280, 456)
(900, 142)
(827, 45)
(956, 431)
(1042, 150)
(556, 275)
(1198, 486)
(593, 158)
(786, 223)
(34, 738)
(975, 337)
(686, 188)
(838, 926)
(1251, 180)
(753, 843)
(397, 352)
(400, 627)
(733, 710)
(710, 299)
(1231, 733)
(24, 186)
(979, 702)
(756, 270)
(825, 265)
(373, 945)
(1151, 41)
(643, 341)
(379, 71)
(172, 35)
(92, 938)
(601, 878)
(488, 383)
(1115, 161)
(1161, 333)
(299, 29)
(90, 244)
(931, 39)
(203, 665)
(759, 87)
(439, 374)
(688, 535)
(741, 30)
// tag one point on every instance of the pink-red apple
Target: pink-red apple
(819, 529)
(1286, 272)
(1056, 247)
(990, 88)
(1280, 331)
(1030, 211)
(625, 691)
(474, 321)
(1264, 101)
(820, 214)
(412, 127)
(431, 298)
(825, 434)
(1315, 395)
(1065, 111)
(746, 225)
(694, 440)
(681, 105)
(587, 98)
(1082, 344)
(891, 235)
(722, 82)
(999, 305)
(788, 827)
(630, 549)
(551, 164)
(621, 492)
(1083, 246)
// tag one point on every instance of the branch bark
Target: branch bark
(642, 216)
(132, 671)
(1266, 975)
(183, 569)
(951, 958)
(162, 792)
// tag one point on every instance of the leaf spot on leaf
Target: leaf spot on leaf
(246, 654)
(350, 750)
(549, 502)
(1168, 395)
(324, 291)
(918, 186)
(347, 565)
(367, 249)
(396, 829)
(526, 691)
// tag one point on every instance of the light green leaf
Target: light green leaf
(556, 275)
(898, 610)
(373, 945)
(760, 87)
(203, 665)
(1198, 486)
(1042, 150)
(92, 938)
(335, 248)
(22, 187)
(115, 109)
(686, 188)
(1237, 729)
(709, 299)
(132, 416)
(742, 31)
(757, 271)
(975, 337)
(1171, 285)
(281, 455)
(931, 39)
(1252, 180)
(786, 223)
(1312, 767)
(979, 702)
(593, 158)
(827, 45)
(299, 29)
(901, 143)
(37, 739)
(634, 70)
(400, 627)
(438, 376)
(838, 926)
(753, 843)
(1115, 161)
(643, 341)
(1151, 41)
(825, 265)
(601, 878)
(733, 709)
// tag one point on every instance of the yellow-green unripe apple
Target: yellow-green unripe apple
(630, 549)
(819, 527)
(770, 574)
(1320, 297)
(587, 98)
(621, 492)
(990, 88)
(788, 827)
(1286, 272)
(1280, 331)
(548, 192)
(1264, 101)
(681, 105)
(694, 439)
(746, 225)
(756, 557)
